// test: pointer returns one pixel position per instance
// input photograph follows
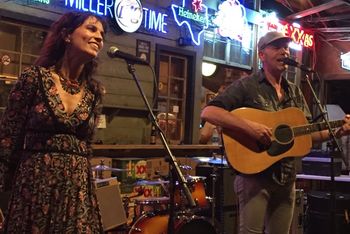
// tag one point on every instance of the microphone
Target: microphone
(114, 52)
(294, 63)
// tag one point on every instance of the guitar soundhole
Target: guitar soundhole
(283, 134)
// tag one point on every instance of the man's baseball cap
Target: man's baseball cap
(270, 37)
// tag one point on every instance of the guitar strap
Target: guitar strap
(290, 94)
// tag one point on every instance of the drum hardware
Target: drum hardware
(196, 185)
(185, 167)
(185, 223)
(214, 176)
(214, 163)
(156, 205)
(107, 168)
(135, 229)
(151, 182)
(127, 200)
(100, 168)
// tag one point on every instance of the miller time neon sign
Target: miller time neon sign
(128, 14)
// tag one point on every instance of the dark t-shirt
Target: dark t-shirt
(256, 92)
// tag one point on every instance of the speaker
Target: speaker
(224, 191)
(225, 198)
(110, 203)
(319, 215)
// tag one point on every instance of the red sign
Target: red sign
(298, 34)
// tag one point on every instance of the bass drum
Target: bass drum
(150, 223)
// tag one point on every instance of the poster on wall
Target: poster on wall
(143, 50)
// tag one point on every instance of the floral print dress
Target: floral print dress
(52, 188)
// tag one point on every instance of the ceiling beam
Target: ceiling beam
(328, 18)
(316, 9)
(332, 30)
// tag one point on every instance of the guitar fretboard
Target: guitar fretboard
(310, 128)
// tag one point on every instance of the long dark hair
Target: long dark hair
(54, 46)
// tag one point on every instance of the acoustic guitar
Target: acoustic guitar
(291, 137)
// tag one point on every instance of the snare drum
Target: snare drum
(150, 204)
(196, 185)
(150, 223)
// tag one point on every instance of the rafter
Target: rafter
(316, 9)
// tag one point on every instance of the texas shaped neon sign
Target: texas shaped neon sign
(182, 17)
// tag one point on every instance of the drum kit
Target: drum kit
(150, 214)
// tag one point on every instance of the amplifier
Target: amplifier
(319, 215)
(321, 166)
(225, 198)
(110, 203)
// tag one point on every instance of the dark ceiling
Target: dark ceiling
(328, 18)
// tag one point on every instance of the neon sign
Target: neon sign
(98, 7)
(126, 13)
(345, 61)
(42, 1)
(155, 21)
(231, 11)
(300, 37)
(183, 15)
(294, 31)
(197, 4)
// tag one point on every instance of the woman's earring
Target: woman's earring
(67, 40)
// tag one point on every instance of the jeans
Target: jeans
(264, 206)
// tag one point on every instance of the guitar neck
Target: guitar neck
(316, 127)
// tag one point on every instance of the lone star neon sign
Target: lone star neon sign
(197, 4)
(183, 15)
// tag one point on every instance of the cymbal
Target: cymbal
(194, 178)
(151, 182)
(215, 161)
(107, 168)
(218, 161)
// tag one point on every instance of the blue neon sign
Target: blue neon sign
(183, 16)
(152, 20)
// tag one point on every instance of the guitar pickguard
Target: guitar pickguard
(276, 148)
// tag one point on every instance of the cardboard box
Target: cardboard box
(135, 170)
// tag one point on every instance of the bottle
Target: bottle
(215, 139)
(153, 135)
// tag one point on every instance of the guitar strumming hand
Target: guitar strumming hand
(290, 137)
(260, 132)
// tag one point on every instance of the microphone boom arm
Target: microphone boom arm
(175, 169)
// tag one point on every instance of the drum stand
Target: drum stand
(213, 198)
(214, 175)
(335, 152)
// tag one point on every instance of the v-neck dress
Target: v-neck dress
(52, 189)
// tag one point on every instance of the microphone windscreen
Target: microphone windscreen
(112, 50)
(289, 61)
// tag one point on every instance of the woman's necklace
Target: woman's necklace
(70, 86)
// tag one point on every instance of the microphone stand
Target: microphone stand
(174, 168)
(335, 151)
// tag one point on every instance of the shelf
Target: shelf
(126, 111)
(152, 151)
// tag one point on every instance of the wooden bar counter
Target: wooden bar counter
(153, 151)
